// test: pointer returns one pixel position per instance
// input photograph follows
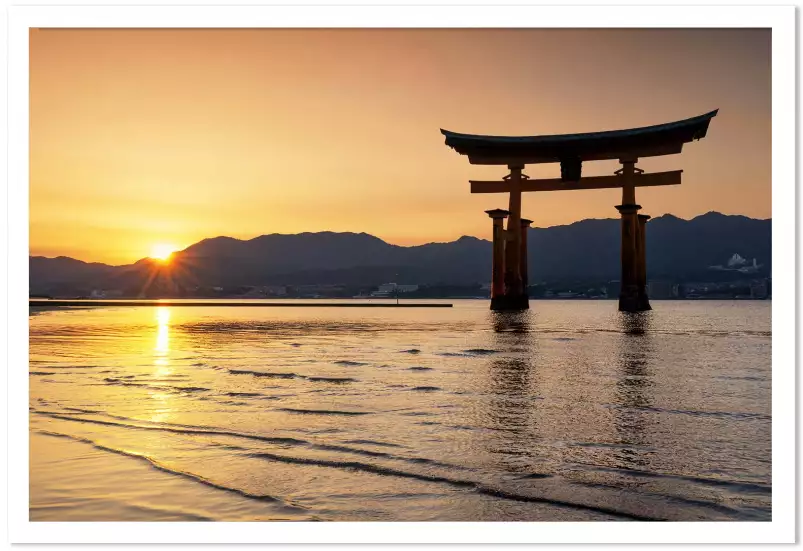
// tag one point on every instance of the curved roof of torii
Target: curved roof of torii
(647, 141)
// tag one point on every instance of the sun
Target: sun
(162, 251)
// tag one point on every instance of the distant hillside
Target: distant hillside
(676, 248)
(589, 249)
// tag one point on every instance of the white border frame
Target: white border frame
(782, 21)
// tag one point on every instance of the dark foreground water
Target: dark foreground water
(570, 411)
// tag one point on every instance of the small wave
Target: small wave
(173, 379)
(375, 443)
(425, 388)
(161, 388)
(41, 373)
(82, 410)
(189, 388)
(699, 413)
(243, 394)
(177, 429)
(479, 351)
(349, 363)
(323, 411)
(358, 451)
(419, 368)
(116, 381)
(411, 351)
(72, 366)
(531, 476)
(332, 379)
(263, 374)
(371, 453)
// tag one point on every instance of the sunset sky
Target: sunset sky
(140, 137)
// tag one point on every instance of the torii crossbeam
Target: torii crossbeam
(570, 150)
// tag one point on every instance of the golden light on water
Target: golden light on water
(162, 347)
(161, 363)
(162, 331)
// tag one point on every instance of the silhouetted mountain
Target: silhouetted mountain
(589, 249)
(53, 274)
(676, 248)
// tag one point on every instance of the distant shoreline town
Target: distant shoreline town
(755, 289)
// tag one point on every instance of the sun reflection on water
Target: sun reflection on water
(161, 362)
(162, 347)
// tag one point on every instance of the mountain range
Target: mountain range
(587, 250)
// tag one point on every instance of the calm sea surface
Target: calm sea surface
(570, 411)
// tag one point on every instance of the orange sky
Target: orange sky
(170, 136)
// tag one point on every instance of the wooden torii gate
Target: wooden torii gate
(509, 283)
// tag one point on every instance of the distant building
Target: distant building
(390, 289)
(736, 260)
(266, 291)
(275, 290)
(106, 293)
(737, 263)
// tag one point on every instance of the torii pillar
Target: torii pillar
(525, 278)
(515, 297)
(641, 247)
(498, 272)
(633, 294)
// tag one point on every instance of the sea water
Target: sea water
(568, 411)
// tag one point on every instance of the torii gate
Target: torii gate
(509, 284)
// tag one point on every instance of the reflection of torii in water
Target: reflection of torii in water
(634, 393)
(509, 283)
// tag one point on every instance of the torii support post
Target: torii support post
(514, 297)
(641, 236)
(498, 272)
(525, 279)
(631, 298)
